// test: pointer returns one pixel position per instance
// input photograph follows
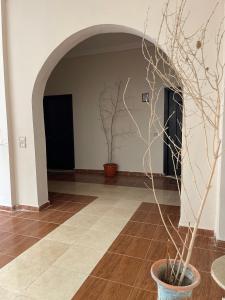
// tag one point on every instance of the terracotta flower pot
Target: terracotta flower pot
(110, 169)
(172, 292)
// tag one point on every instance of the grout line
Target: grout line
(142, 265)
(125, 255)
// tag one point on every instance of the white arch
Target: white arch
(39, 87)
(38, 92)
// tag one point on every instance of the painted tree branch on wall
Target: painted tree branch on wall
(185, 69)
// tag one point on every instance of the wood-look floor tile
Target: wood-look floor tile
(19, 230)
(138, 294)
(168, 218)
(208, 289)
(202, 259)
(158, 250)
(162, 235)
(38, 229)
(47, 215)
(4, 218)
(202, 232)
(146, 217)
(171, 210)
(57, 217)
(140, 229)
(99, 289)
(160, 182)
(149, 207)
(5, 259)
(13, 224)
(7, 213)
(220, 245)
(67, 206)
(131, 246)
(32, 215)
(74, 198)
(16, 244)
(118, 268)
(206, 242)
(144, 280)
(4, 235)
(140, 216)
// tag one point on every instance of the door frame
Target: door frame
(167, 90)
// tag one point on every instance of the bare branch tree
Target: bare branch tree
(184, 69)
(110, 108)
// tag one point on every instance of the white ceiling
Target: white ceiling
(102, 43)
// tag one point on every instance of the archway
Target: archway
(38, 92)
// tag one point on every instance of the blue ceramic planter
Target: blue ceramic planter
(171, 292)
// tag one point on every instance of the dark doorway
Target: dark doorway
(58, 117)
(173, 106)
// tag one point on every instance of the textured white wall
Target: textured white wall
(39, 33)
(86, 77)
(5, 170)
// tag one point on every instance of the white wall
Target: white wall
(6, 198)
(86, 77)
(39, 33)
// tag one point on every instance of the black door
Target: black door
(58, 116)
(173, 105)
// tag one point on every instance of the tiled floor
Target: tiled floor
(160, 182)
(103, 250)
(124, 271)
(21, 229)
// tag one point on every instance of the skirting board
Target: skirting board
(24, 207)
(124, 173)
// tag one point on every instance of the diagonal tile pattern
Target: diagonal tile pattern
(98, 248)
(128, 261)
(20, 230)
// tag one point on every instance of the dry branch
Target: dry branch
(185, 70)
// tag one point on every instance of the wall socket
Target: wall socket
(22, 142)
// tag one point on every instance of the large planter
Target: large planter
(171, 292)
(110, 169)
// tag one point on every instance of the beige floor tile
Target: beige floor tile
(98, 240)
(66, 234)
(96, 209)
(44, 252)
(107, 224)
(132, 204)
(82, 220)
(107, 201)
(6, 295)
(133, 193)
(22, 297)
(79, 259)
(9, 295)
(56, 284)
(19, 274)
(120, 212)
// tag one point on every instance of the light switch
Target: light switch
(22, 142)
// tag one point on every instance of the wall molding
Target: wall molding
(24, 207)
(124, 173)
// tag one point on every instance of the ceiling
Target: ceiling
(102, 43)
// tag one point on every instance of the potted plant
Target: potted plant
(109, 107)
(183, 69)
